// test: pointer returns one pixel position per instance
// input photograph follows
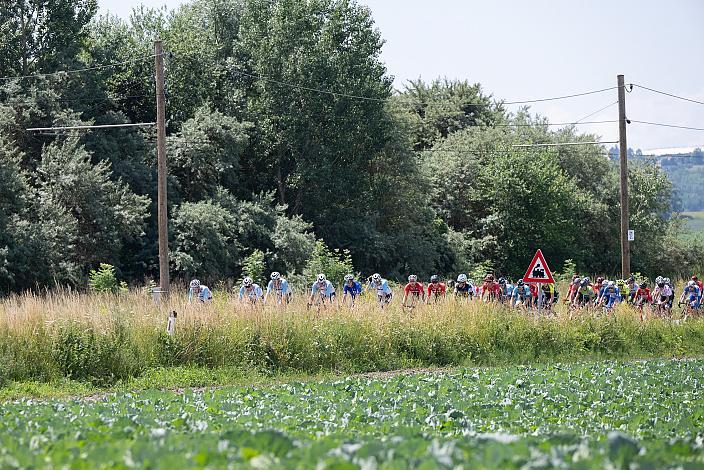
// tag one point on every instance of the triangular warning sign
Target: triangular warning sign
(538, 270)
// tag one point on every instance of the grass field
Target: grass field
(587, 415)
(695, 221)
(105, 340)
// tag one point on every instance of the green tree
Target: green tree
(205, 240)
(106, 213)
(205, 154)
(42, 35)
(443, 107)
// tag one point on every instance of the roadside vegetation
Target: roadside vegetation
(106, 339)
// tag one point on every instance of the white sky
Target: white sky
(521, 49)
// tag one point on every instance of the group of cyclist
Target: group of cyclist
(582, 292)
(607, 294)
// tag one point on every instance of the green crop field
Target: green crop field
(695, 221)
(587, 415)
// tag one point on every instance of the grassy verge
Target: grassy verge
(98, 342)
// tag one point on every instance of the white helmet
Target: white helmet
(247, 281)
(691, 283)
(376, 277)
(612, 283)
(321, 278)
(462, 278)
(275, 275)
(195, 283)
(667, 281)
(349, 277)
(412, 278)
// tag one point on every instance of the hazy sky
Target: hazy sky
(533, 49)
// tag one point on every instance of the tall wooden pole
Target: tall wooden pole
(163, 221)
(623, 151)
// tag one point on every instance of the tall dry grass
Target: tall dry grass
(103, 338)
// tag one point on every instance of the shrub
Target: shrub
(333, 263)
(105, 280)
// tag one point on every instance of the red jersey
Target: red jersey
(492, 288)
(437, 289)
(644, 294)
(415, 289)
(533, 290)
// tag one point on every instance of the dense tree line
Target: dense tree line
(284, 129)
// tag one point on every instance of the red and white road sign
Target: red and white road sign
(538, 270)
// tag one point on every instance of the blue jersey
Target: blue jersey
(693, 294)
(382, 287)
(354, 290)
(521, 292)
(612, 295)
(254, 293)
(464, 290)
(281, 289)
(326, 289)
(204, 295)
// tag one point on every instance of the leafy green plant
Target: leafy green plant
(254, 266)
(333, 263)
(105, 280)
(569, 269)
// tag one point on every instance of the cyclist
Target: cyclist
(324, 289)
(351, 288)
(250, 291)
(662, 296)
(642, 298)
(490, 289)
(691, 295)
(585, 294)
(623, 289)
(381, 286)
(520, 295)
(436, 289)
(699, 283)
(279, 286)
(669, 283)
(505, 289)
(463, 288)
(610, 296)
(632, 289)
(548, 295)
(414, 289)
(199, 291)
(574, 286)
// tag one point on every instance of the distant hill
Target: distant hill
(684, 166)
(686, 171)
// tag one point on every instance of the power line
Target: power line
(100, 126)
(560, 144)
(596, 112)
(553, 123)
(668, 94)
(347, 95)
(575, 95)
(78, 100)
(668, 125)
(317, 90)
(85, 69)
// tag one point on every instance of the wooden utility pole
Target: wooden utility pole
(163, 221)
(623, 152)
